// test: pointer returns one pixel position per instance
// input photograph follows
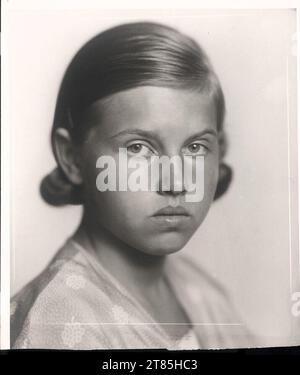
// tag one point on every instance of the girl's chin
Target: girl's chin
(171, 244)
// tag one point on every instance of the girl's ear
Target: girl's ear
(225, 171)
(222, 144)
(66, 155)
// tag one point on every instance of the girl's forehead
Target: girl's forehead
(162, 110)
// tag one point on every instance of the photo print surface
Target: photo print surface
(154, 179)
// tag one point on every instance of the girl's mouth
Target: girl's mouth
(171, 216)
(172, 211)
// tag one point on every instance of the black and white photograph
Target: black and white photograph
(153, 178)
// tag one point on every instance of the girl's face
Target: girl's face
(150, 121)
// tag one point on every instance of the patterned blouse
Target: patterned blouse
(75, 303)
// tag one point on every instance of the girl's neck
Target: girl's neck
(138, 271)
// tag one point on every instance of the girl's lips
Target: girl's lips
(171, 216)
(171, 211)
(170, 220)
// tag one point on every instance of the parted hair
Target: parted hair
(124, 57)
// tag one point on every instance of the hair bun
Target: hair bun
(57, 190)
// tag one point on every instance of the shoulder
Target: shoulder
(57, 309)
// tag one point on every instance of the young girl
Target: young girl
(116, 283)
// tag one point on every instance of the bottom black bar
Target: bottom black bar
(138, 361)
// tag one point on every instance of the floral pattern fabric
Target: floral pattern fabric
(76, 304)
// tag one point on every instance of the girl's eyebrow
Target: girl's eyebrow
(202, 133)
(140, 132)
(151, 134)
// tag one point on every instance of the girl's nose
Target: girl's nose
(171, 179)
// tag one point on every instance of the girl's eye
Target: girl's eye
(135, 149)
(139, 149)
(196, 149)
